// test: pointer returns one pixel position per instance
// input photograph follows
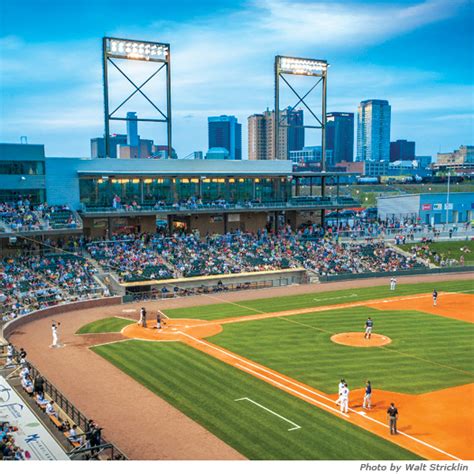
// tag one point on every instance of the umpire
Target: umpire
(392, 415)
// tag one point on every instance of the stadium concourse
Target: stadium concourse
(75, 369)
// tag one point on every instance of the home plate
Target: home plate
(362, 413)
(173, 329)
(386, 301)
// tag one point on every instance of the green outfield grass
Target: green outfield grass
(205, 389)
(427, 352)
(105, 325)
(451, 249)
(283, 303)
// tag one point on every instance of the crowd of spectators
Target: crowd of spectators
(32, 282)
(22, 215)
(441, 259)
(191, 203)
(9, 450)
(159, 256)
(131, 259)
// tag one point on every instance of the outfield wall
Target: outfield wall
(420, 271)
(14, 324)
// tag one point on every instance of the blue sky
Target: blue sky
(417, 54)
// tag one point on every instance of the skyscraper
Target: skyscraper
(226, 132)
(294, 118)
(132, 129)
(402, 150)
(373, 130)
(340, 136)
(261, 129)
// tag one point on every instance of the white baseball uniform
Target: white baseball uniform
(339, 391)
(345, 400)
(54, 330)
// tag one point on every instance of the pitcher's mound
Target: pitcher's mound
(356, 339)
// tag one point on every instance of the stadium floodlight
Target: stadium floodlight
(315, 68)
(138, 50)
(301, 66)
(288, 65)
(126, 49)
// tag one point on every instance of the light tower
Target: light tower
(315, 68)
(285, 65)
(132, 50)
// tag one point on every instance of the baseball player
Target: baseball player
(340, 388)
(159, 320)
(435, 297)
(345, 399)
(142, 320)
(10, 350)
(369, 324)
(392, 284)
(368, 396)
(54, 331)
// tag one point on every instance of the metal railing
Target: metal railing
(157, 294)
(76, 416)
(302, 201)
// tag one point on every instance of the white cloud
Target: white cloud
(220, 64)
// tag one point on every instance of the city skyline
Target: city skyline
(222, 64)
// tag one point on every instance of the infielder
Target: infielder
(340, 388)
(392, 283)
(368, 396)
(369, 324)
(54, 331)
(435, 297)
(345, 399)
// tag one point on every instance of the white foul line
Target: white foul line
(295, 426)
(229, 354)
(335, 297)
(278, 384)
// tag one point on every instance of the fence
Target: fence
(73, 413)
(401, 273)
(156, 294)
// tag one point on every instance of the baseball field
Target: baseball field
(262, 375)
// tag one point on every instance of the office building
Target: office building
(424, 161)
(295, 122)
(340, 136)
(226, 132)
(261, 130)
(132, 130)
(218, 153)
(129, 146)
(373, 130)
(98, 145)
(461, 159)
(402, 150)
(310, 154)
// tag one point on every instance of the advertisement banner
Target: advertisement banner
(31, 436)
(437, 207)
(426, 207)
(448, 206)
